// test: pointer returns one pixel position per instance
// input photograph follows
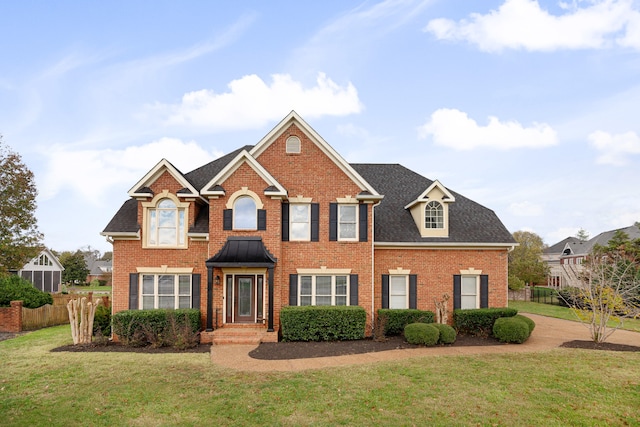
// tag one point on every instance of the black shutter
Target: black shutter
(285, 222)
(353, 289)
(413, 291)
(195, 291)
(457, 291)
(364, 223)
(315, 222)
(484, 291)
(385, 291)
(293, 289)
(262, 219)
(133, 291)
(227, 219)
(333, 222)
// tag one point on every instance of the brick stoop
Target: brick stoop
(240, 334)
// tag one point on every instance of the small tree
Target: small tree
(75, 267)
(525, 260)
(608, 293)
(583, 235)
(20, 240)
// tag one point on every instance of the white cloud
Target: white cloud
(92, 173)
(523, 24)
(526, 208)
(557, 235)
(615, 149)
(251, 103)
(453, 128)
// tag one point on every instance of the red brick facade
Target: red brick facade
(314, 174)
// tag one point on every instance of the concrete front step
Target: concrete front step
(242, 335)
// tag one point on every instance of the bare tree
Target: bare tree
(608, 292)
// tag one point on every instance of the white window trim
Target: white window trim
(441, 209)
(180, 206)
(156, 296)
(476, 277)
(406, 289)
(357, 218)
(307, 238)
(333, 288)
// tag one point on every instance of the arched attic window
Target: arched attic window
(434, 215)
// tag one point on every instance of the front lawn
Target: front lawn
(562, 313)
(576, 387)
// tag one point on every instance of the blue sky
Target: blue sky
(527, 107)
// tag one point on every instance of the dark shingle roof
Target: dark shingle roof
(469, 222)
(201, 176)
(201, 224)
(125, 220)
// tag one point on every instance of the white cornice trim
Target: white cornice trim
(154, 174)
(293, 117)
(126, 235)
(243, 157)
(422, 198)
(442, 245)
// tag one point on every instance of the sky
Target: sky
(527, 107)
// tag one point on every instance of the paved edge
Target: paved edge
(549, 333)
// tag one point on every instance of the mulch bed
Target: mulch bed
(302, 350)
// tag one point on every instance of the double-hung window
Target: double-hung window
(300, 222)
(347, 222)
(469, 297)
(398, 291)
(166, 291)
(166, 225)
(323, 290)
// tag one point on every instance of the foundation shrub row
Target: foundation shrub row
(479, 322)
(158, 328)
(322, 323)
(394, 321)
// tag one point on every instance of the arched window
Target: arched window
(245, 214)
(166, 224)
(433, 215)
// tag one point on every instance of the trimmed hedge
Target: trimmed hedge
(322, 323)
(422, 334)
(158, 328)
(396, 319)
(530, 323)
(447, 333)
(479, 321)
(15, 288)
(511, 330)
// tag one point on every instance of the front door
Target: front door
(244, 302)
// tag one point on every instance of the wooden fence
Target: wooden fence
(42, 317)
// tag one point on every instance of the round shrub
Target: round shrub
(530, 323)
(447, 333)
(15, 288)
(510, 329)
(421, 334)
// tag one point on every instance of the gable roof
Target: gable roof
(469, 222)
(141, 188)
(293, 117)
(447, 196)
(579, 247)
(54, 260)
(241, 158)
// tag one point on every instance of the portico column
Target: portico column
(209, 298)
(270, 323)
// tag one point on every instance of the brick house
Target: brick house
(289, 222)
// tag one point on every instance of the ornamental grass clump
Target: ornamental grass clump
(421, 334)
(511, 330)
(447, 333)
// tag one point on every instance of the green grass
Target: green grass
(576, 387)
(562, 313)
(90, 288)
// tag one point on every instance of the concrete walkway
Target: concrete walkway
(548, 334)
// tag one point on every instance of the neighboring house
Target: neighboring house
(290, 222)
(98, 269)
(44, 271)
(565, 257)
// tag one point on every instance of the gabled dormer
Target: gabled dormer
(430, 210)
